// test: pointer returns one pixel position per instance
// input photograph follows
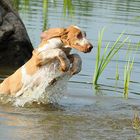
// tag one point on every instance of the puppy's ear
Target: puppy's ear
(52, 33)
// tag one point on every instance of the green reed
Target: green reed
(117, 70)
(45, 14)
(15, 4)
(68, 7)
(108, 54)
(128, 69)
(25, 5)
(127, 74)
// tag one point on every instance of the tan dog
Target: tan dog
(52, 59)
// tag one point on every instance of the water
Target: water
(83, 113)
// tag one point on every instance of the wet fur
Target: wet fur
(54, 48)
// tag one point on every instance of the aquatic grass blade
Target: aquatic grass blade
(102, 61)
(112, 54)
(128, 70)
(100, 36)
(45, 14)
(117, 70)
(100, 64)
(127, 75)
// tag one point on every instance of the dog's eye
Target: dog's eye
(80, 36)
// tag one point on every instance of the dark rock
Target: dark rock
(15, 45)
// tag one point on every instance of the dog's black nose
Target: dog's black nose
(89, 47)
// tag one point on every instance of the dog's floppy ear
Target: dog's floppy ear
(52, 33)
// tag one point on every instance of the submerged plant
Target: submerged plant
(103, 61)
(136, 121)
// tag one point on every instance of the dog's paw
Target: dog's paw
(64, 67)
(74, 71)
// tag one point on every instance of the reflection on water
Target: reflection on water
(82, 114)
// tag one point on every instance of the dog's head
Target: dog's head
(72, 37)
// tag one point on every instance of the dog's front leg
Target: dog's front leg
(76, 62)
(44, 57)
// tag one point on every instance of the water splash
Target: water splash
(48, 85)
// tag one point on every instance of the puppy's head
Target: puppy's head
(72, 37)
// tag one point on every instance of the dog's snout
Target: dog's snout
(89, 47)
